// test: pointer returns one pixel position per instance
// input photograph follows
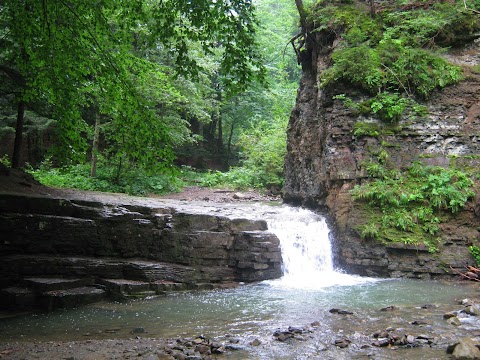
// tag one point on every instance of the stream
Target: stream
(302, 298)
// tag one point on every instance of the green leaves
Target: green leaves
(409, 203)
(103, 58)
(393, 57)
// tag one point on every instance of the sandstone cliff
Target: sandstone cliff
(326, 159)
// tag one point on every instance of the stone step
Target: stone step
(162, 286)
(18, 298)
(140, 295)
(70, 298)
(43, 284)
(15, 267)
(124, 289)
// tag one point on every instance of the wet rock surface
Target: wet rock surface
(100, 237)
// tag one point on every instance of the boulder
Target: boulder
(465, 349)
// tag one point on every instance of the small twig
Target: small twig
(467, 8)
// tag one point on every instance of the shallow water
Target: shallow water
(250, 309)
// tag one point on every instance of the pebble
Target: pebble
(256, 342)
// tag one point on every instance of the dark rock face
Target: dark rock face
(161, 247)
(324, 162)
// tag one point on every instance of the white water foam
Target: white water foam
(306, 251)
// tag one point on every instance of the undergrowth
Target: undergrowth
(136, 181)
(407, 206)
(395, 55)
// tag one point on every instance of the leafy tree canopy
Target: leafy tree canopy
(74, 55)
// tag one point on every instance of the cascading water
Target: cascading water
(306, 250)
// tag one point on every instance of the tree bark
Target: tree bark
(17, 147)
(220, 135)
(96, 136)
(229, 144)
(303, 15)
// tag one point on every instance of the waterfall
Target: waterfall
(306, 250)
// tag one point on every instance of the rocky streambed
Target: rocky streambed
(262, 321)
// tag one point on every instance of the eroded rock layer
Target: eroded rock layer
(325, 160)
(125, 248)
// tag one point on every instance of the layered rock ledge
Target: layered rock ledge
(124, 247)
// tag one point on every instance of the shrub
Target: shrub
(395, 56)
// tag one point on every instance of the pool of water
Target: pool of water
(257, 309)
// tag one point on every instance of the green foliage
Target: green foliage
(235, 178)
(405, 206)
(388, 106)
(104, 58)
(395, 56)
(475, 252)
(366, 129)
(264, 148)
(5, 160)
(134, 182)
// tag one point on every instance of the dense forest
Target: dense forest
(140, 97)
(146, 97)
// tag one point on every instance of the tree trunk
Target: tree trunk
(220, 135)
(229, 144)
(17, 147)
(96, 136)
(303, 15)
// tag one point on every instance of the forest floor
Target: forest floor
(16, 181)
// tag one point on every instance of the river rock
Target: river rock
(342, 343)
(381, 342)
(256, 342)
(465, 349)
(410, 339)
(340, 312)
(454, 321)
(284, 336)
(419, 322)
(472, 310)
(380, 334)
(466, 302)
(450, 315)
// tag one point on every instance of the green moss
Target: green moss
(395, 56)
(362, 128)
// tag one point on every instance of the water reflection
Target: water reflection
(259, 308)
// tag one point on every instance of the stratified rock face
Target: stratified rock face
(43, 236)
(324, 162)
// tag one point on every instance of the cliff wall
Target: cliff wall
(326, 158)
